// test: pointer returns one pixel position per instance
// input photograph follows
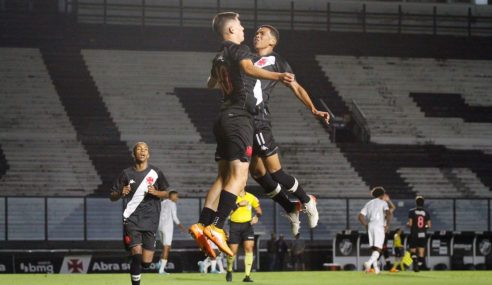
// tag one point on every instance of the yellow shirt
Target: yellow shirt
(244, 214)
(397, 240)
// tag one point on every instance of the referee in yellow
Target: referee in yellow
(241, 230)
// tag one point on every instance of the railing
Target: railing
(96, 219)
(361, 128)
(362, 17)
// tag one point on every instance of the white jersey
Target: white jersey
(168, 214)
(374, 211)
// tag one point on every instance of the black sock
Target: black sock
(273, 190)
(136, 269)
(206, 216)
(291, 184)
(283, 200)
(421, 261)
(227, 203)
(415, 263)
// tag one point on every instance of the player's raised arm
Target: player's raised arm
(303, 96)
(248, 67)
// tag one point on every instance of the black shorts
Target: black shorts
(264, 144)
(399, 251)
(233, 130)
(416, 240)
(239, 232)
(134, 237)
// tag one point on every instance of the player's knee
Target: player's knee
(286, 180)
(267, 183)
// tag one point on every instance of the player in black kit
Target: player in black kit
(265, 165)
(234, 73)
(419, 221)
(142, 187)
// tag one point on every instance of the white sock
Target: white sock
(374, 257)
(213, 265)
(220, 264)
(206, 263)
(163, 265)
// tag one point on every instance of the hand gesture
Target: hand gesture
(325, 116)
(126, 190)
(287, 78)
(254, 220)
(151, 190)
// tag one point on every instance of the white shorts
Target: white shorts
(166, 235)
(376, 236)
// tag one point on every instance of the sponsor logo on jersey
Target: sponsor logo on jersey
(132, 181)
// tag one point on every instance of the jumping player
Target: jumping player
(376, 217)
(265, 165)
(419, 221)
(142, 187)
(234, 72)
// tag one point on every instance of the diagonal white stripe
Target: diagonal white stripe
(139, 194)
(263, 139)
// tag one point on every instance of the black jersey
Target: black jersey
(236, 86)
(419, 217)
(141, 209)
(264, 88)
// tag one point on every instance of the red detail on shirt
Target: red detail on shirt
(249, 151)
(261, 62)
(150, 180)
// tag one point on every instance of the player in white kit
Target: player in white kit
(376, 217)
(168, 218)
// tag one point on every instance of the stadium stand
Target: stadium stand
(383, 88)
(38, 141)
(79, 94)
(3, 163)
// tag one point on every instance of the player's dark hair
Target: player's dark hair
(419, 201)
(172, 192)
(377, 192)
(273, 31)
(220, 21)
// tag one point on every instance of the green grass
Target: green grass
(275, 278)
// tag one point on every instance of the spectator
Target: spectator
(297, 252)
(282, 249)
(272, 252)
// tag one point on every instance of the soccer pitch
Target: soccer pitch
(267, 278)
